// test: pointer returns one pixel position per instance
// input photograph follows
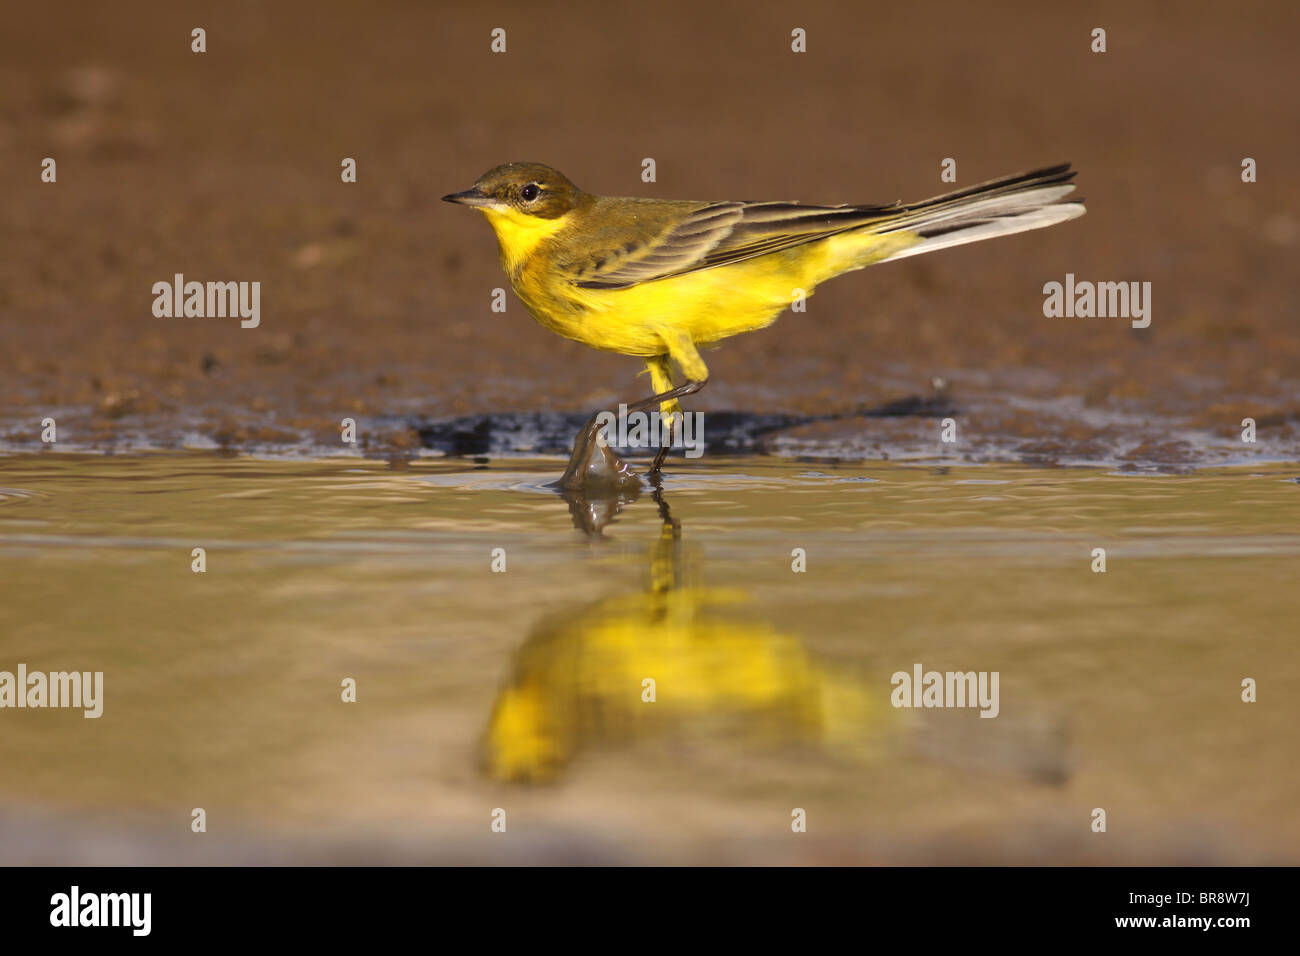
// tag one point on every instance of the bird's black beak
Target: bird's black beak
(470, 197)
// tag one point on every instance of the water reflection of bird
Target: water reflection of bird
(578, 682)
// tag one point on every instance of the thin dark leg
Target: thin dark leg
(681, 391)
(653, 473)
(690, 388)
(585, 448)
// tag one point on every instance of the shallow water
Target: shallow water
(523, 689)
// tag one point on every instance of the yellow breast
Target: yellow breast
(707, 305)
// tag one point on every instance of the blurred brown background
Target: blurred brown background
(375, 296)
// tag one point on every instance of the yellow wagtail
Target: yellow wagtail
(658, 278)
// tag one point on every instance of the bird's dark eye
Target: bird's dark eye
(530, 192)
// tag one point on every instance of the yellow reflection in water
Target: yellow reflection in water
(626, 667)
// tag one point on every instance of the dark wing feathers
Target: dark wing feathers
(719, 233)
(677, 250)
(714, 234)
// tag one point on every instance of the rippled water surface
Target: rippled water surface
(524, 689)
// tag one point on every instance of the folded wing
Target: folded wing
(715, 234)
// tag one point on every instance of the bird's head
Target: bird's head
(521, 190)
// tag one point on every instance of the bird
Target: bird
(659, 279)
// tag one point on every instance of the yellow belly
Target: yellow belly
(708, 305)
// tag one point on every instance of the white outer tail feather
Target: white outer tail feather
(989, 217)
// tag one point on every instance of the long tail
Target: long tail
(1000, 207)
